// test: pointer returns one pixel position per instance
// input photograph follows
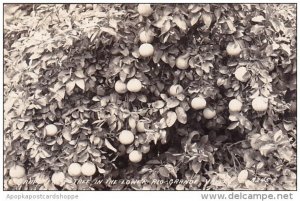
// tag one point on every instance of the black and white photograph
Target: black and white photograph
(149, 96)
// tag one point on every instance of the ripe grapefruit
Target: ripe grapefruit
(182, 62)
(140, 126)
(135, 156)
(233, 49)
(51, 130)
(235, 105)
(19, 181)
(260, 104)
(58, 178)
(209, 113)
(198, 103)
(146, 36)
(11, 183)
(134, 85)
(74, 169)
(146, 50)
(120, 87)
(241, 74)
(17, 171)
(126, 137)
(175, 90)
(144, 10)
(88, 169)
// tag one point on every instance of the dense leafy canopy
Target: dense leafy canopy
(62, 62)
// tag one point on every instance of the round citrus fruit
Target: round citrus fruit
(41, 178)
(17, 171)
(74, 169)
(182, 63)
(120, 87)
(144, 10)
(126, 137)
(135, 156)
(146, 50)
(260, 104)
(134, 85)
(235, 105)
(19, 181)
(241, 74)
(175, 90)
(140, 126)
(58, 178)
(146, 36)
(233, 49)
(51, 130)
(198, 103)
(11, 183)
(88, 169)
(209, 113)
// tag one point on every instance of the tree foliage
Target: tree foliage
(62, 62)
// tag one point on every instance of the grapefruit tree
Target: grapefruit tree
(215, 81)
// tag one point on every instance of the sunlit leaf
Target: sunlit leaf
(79, 74)
(108, 145)
(243, 176)
(109, 30)
(258, 18)
(158, 104)
(233, 125)
(171, 169)
(80, 83)
(70, 86)
(196, 166)
(166, 27)
(207, 19)
(181, 115)
(171, 118)
(180, 23)
(163, 172)
(266, 149)
(172, 102)
(66, 132)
